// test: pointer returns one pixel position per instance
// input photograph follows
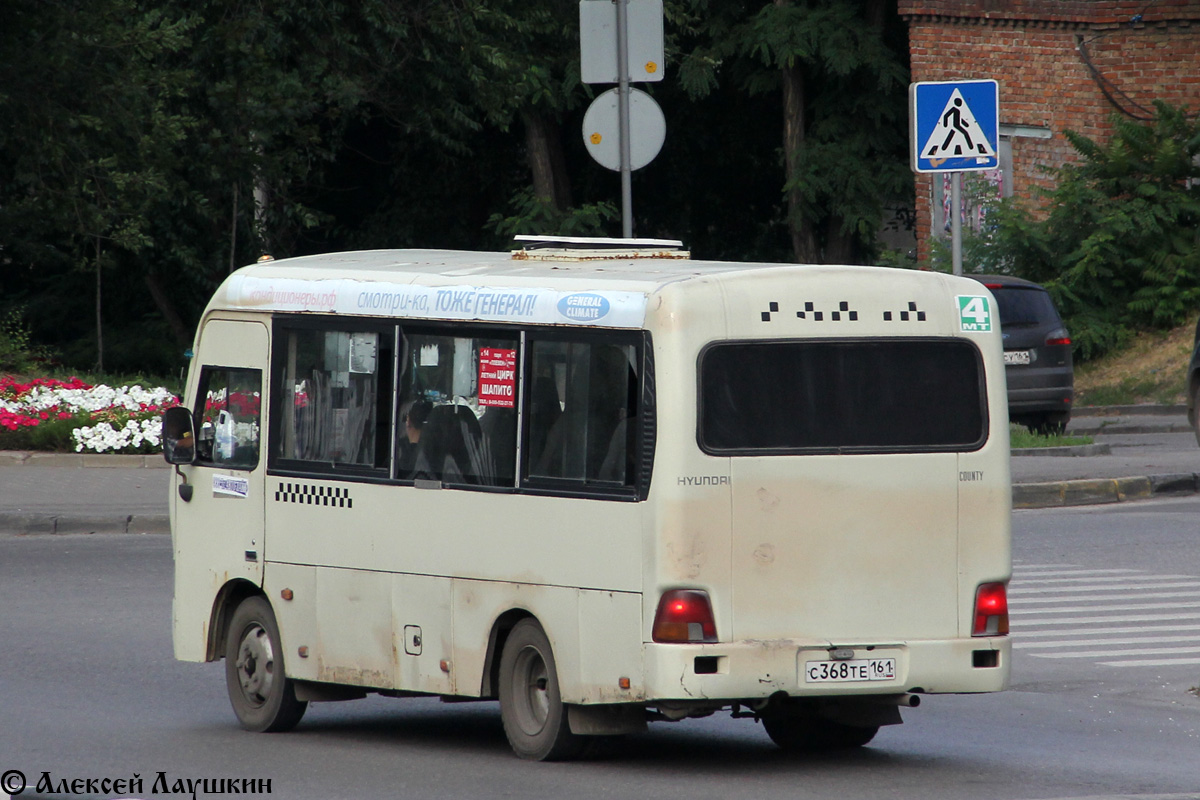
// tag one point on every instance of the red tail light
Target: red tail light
(991, 610)
(1059, 336)
(684, 615)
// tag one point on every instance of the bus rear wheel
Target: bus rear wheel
(263, 698)
(799, 732)
(531, 707)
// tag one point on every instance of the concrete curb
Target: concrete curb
(1142, 410)
(1109, 430)
(20, 524)
(21, 458)
(1080, 450)
(1060, 494)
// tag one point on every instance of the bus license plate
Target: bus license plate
(1016, 357)
(864, 669)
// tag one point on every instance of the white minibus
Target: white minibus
(598, 481)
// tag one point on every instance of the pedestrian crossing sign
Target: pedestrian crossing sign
(955, 125)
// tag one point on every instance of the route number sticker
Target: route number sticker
(974, 313)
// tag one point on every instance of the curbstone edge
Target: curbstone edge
(1054, 494)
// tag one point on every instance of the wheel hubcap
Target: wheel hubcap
(531, 690)
(256, 665)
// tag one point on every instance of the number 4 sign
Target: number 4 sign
(974, 313)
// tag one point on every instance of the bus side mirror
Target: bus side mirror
(178, 436)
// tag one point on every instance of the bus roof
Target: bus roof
(561, 287)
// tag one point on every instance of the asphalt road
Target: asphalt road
(89, 689)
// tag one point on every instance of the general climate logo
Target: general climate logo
(584, 307)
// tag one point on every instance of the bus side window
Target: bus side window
(229, 417)
(582, 412)
(335, 388)
(457, 409)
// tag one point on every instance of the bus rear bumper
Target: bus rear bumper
(757, 669)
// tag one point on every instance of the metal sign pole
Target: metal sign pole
(623, 114)
(956, 222)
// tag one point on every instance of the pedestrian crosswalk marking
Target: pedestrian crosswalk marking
(1097, 642)
(1100, 620)
(1148, 630)
(1154, 662)
(1071, 569)
(1123, 607)
(1141, 651)
(1075, 598)
(1113, 588)
(1108, 579)
(1118, 617)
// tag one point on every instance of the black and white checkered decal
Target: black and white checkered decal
(843, 312)
(304, 494)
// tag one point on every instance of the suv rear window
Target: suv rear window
(1020, 306)
(861, 396)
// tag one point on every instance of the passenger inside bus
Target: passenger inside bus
(451, 448)
(414, 417)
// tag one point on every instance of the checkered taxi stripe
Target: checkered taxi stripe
(304, 494)
(809, 311)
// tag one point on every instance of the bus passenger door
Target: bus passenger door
(218, 532)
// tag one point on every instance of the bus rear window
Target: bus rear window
(863, 396)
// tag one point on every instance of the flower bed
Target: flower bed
(54, 415)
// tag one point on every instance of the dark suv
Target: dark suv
(1193, 376)
(1037, 354)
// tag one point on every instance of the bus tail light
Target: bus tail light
(991, 610)
(684, 615)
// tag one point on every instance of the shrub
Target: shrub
(1117, 245)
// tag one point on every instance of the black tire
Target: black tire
(531, 708)
(262, 696)
(1052, 423)
(804, 732)
(1195, 415)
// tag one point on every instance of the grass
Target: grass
(1152, 369)
(1022, 437)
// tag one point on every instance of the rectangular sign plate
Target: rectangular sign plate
(1016, 356)
(863, 669)
(954, 126)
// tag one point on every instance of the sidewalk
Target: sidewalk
(1140, 452)
(65, 493)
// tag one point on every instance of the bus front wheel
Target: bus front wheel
(531, 707)
(263, 698)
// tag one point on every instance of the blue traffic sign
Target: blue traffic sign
(954, 125)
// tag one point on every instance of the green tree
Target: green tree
(91, 129)
(160, 145)
(839, 69)
(1117, 241)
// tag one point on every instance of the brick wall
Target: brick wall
(1038, 51)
